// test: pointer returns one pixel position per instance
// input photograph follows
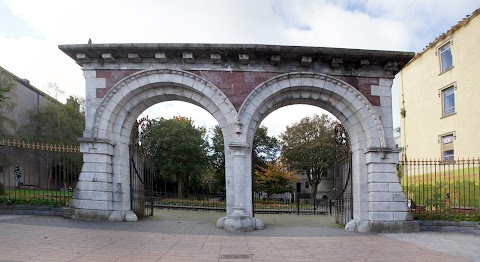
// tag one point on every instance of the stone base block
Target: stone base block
(382, 226)
(239, 222)
(99, 215)
(87, 214)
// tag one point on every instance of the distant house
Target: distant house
(302, 188)
(24, 96)
(440, 94)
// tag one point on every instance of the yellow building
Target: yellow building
(440, 96)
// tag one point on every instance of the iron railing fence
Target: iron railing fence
(343, 211)
(306, 206)
(38, 174)
(441, 189)
(190, 201)
(267, 205)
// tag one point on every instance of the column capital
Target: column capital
(239, 148)
(382, 155)
(96, 146)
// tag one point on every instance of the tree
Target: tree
(308, 146)
(274, 179)
(217, 158)
(179, 149)
(55, 123)
(265, 150)
(6, 104)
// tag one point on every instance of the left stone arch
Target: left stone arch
(105, 174)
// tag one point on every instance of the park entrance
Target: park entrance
(239, 85)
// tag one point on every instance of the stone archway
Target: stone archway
(105, 174)
(374, 201)
(122, 80)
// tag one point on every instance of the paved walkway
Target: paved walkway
(192, 236)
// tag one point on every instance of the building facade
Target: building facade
(18, 166)
(24, 97)
(439, 94)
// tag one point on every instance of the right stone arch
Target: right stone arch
(378, 200)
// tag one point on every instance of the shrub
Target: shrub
(458, 215)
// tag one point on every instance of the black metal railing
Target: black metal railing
(190, 201)
(265, 205)
(448, 190)
(304, 206)
(38, 174)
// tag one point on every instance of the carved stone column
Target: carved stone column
(241, 218)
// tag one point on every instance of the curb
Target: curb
(450, 226)
(31, 210)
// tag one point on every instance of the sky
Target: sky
(31, 30)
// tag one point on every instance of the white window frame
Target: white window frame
(442, 140)
(439, 53)
(441, 93)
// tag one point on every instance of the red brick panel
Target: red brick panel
(111, 77)
(364, 85)
(236, 85)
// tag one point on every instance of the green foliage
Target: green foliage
(55, 123)
(274, 179)
(179, 149)
(6, 104)
(6, 85)
(52, 198)
(430, 189)
(308, 146)
(266, 150)
(451, 215)
(217, 158)
(37, 201)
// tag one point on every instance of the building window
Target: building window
(307, 185)
(299, 187)
(446, 61)
(447, 147)
(448, 100)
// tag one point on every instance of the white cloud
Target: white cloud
(366, 24)
(330, 25)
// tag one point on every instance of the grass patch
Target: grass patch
(35, 197)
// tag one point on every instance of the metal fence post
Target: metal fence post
(298, 206)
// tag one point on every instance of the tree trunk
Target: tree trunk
(314, 188)
(180, 186)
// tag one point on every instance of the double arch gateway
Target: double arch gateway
(239, 85)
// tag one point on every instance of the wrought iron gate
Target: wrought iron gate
(342, 178)
(141, 174)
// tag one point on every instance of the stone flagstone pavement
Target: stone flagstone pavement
(192, 236)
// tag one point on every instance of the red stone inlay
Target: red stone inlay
(364, 85)
(111, 77)
(236, 85)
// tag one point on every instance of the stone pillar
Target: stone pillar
(387, 206)
(92, 83)
(229, 180)
(241, 218)
(92, 198)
